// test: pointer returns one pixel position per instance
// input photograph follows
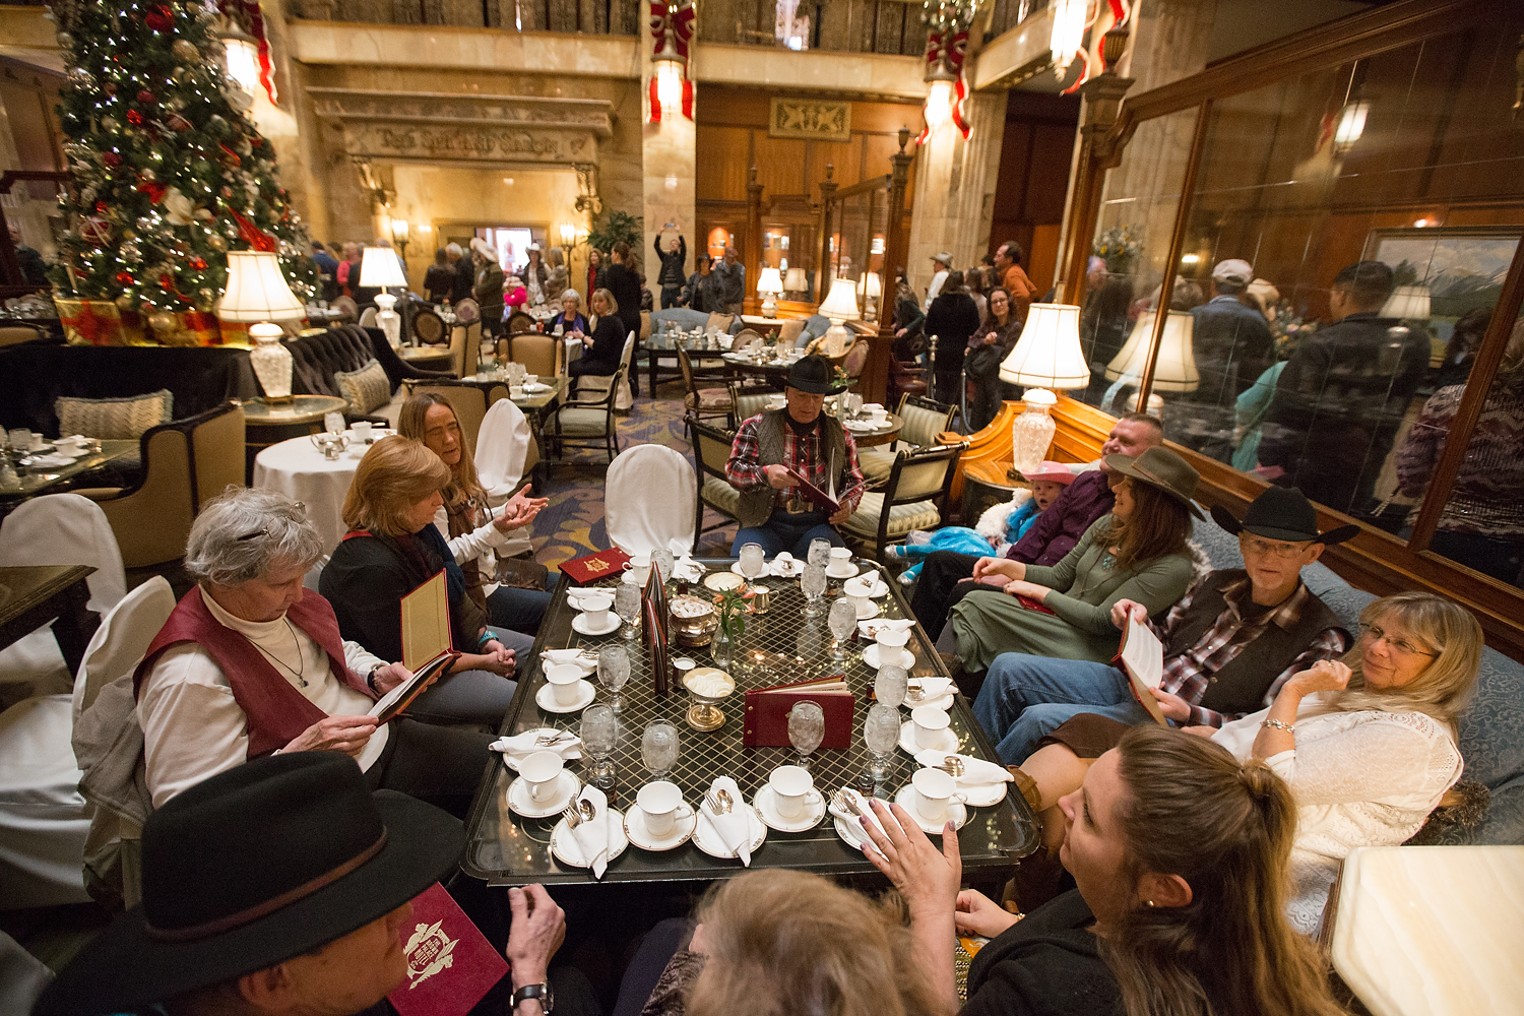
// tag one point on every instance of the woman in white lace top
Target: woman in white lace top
(1367, 745)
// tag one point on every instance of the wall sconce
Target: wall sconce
(1067, 40)
(401, 231)
(1351, 125)
(568, 235)
(671, 34)
(240, 58)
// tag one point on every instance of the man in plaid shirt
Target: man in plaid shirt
(1208, 676)
(800, 438)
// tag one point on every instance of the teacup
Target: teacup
(929, 722)
(868, 586)
(563, 679)
(639, 568)
(362, 429)
(515, 391)
(791, 790)
(891, 638)
(531, 380)
(660, 801)
(595, 607)
(938, 793)
(541, 772)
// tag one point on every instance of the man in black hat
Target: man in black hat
(283, 886)
(777, 443)
(1208, 675)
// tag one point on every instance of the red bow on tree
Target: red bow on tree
(252, 235)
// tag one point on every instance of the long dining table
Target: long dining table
(777, 647)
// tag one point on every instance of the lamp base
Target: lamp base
(769, 306)
(387, 319)
(271, 362)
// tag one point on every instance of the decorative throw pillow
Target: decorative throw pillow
(367, 389)
(114, 419)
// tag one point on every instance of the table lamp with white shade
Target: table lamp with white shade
(1047, 356)
(770, 287)
(1175, 368)
(379, 268)
(840, 307)
(257, 293)
(795, 281)
(870, 289)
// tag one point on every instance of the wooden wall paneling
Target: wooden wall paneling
(592, 16)
(885, 118)
(845, 156)
(724, 155)
(877, 149)
(1051, 153)
(623, 15)
(780, 163)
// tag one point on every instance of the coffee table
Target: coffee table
(31, 596)
(505, 849)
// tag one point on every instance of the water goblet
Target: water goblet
(333, 423)
(599, 731)
(658, 748)
(819, 552)
(613, 672)
(753, 561)
(813, 584)
(842, 621)
(806, 729)
(881, 734)
(627, 606)
(663, 561)
(891, 685)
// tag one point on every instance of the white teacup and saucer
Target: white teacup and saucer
(596, 618)
(932, 799)
(544, 786)
(789, 802)
(661, 819)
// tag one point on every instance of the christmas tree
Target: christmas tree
(169, 174)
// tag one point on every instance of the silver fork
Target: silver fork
(719, 801)
(573, 816)
(546, 740)
(952, 765)
(847, 802)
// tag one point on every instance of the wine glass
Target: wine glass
(627, 606)
(613, 672)
(891, 685)
(806, 729)
(663, 561)
(813, 584)
(819, 552)
(753, 561)
(599, 731)
(881, 734)
(842, 621)
(658, 748)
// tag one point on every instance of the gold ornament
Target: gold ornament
(185, 51)
(125, 303)
(216, 242)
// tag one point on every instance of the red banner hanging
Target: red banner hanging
(672, 24)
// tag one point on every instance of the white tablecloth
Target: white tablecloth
(297, 469)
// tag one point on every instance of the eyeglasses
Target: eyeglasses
(1402, 647)
(1270, 548)
(300, 508)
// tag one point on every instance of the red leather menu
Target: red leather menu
(594, 567)
(450, 965)
(766, 721)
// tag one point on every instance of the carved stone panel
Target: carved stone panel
(811, 119)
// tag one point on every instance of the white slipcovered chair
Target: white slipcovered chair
(43, 818)
(591, 386)
(505, 452)
(51, 530)
(648, 499)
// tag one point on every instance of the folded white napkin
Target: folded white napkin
(977, 772)
(784, 565)
(870, 628)
(592, 835)
(734, 826)
(853, 820)
(523, 745)
(687, 570)
(554, 656)
(931, 687)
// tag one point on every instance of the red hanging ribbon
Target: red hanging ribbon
(671, 35)
(252, 235)
(252, 20)
(949, 52)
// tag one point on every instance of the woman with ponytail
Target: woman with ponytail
(1179, 854)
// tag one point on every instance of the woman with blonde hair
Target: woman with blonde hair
(1367, 745)
(603, 348)
(1179, 854)
(473, 528)
(392, 548)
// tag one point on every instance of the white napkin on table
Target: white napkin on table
(977, 772)
(785, 565)
(853, 820)
(871, 626)
(734, 826)
(521, 746)
(931, 687)
(573, 655)
(592, 836)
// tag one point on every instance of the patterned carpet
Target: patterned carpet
(572, 524)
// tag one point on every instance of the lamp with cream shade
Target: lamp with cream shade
(1175, 368)
(840, 307)
(870, 289)
(379, 268)
(257, 293)
(795, 281)
(1047, 356)
(1408, 303)
(770, 287)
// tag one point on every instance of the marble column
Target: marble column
(955, 189)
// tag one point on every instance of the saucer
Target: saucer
(943, 701)
(707, 838)
(847, 572)
(867, 609)
(581, 625)
(576, 596)
(735, 569)
(871, 657)
(566, 850)
(851, 833)
(545, 698)
(520, 803)
(814, 811)
(536, 388)
(979, 795)
(868, 586)
(948, 740)
(635, 829)
(788, 568)
(907, 798)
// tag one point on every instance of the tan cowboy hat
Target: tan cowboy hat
(1163, 470)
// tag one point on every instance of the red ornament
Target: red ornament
(252, 235)
(176, 122)
(111, 159)
(101, 207)
(135, 118)
(94, 230)
(154, 189)
(198, 264)
(125, 278)
(230, 157)
(160, 18)
(147, 98)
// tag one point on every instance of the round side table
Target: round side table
(985, 484)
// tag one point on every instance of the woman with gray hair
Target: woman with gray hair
(250, 664)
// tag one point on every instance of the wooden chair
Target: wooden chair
(467, 311)
(711, 450)
(700, 403)
(519, 321)
(921, 422)
(745, 338)
(428, 327)
(915, 497)
(347, 305)
(586, 422)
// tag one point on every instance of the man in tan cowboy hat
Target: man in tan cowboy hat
(943, 260)
(1229, 644)
(773, 446)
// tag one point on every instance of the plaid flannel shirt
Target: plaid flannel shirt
(1188, 674)
(745, 472)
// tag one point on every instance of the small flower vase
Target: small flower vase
(721, 648)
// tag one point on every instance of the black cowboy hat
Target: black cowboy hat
(1163, 470)
(814, 375)
(254, 866)
(1281, 513)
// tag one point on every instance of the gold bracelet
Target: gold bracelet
(1279, 725)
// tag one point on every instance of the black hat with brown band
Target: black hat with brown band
(252, 867)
